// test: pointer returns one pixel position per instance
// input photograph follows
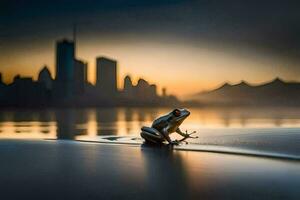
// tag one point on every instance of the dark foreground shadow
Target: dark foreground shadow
(165, 173)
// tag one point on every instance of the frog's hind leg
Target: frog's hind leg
(151, 138)
(151, 135)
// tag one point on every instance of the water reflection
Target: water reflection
(207, 174)
(168, 171)
(91, 123)
(66, 124)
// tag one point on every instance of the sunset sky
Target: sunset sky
(186, 46)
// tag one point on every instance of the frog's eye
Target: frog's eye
(176, 113)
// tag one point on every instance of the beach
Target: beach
(64, 169)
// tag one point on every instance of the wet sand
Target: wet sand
(37, 169)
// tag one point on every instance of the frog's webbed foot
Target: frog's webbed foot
(188, 135)
(182, 141)
(175, 142)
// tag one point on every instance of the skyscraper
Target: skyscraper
(128, 87)
(64, 68)
(152, 91)
(106, 76)
(164, 92)
(44, 77)
(2, 90)
(80, 76)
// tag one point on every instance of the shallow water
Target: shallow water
(47, 169)
(261, 131)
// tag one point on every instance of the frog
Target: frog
(162, 127)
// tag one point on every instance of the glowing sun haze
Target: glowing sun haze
(182, 68)
(186, 46)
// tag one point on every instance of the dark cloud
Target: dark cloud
(267, 26)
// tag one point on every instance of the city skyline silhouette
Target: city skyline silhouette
(71, 87)
(205, 43)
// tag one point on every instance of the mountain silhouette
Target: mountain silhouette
(276, 92)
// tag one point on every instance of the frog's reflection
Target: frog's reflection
(166, 177)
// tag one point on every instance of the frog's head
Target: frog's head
(179, 115)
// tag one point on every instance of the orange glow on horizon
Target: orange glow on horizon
(180, 68)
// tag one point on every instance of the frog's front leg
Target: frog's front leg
(181, 133)
(165, 133)
(185, 135)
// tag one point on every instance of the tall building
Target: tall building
(25, 91)
(2, 88)
(3, 95)
(64, 81)
(128, 86)
(142, 89)
(164, 92)
(106, 76)
(153, 91)
(44, 77)
(80, 76)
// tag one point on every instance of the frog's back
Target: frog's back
(160, 123)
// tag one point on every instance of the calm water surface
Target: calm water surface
(268, 129)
